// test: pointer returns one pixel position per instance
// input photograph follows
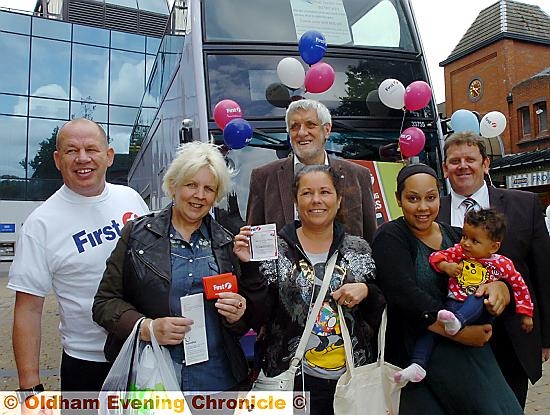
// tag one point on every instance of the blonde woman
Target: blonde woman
(163, 256)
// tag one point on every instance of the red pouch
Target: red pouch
(216, 284)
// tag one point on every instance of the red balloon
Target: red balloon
(319, 78)
(225, 111)
(411, 141)
(417, 95)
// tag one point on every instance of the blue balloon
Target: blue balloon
(237, 133)
(464, 120)
(312, 46)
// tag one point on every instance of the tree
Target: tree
(360, 81)
(42, 162)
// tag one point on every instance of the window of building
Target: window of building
(50, 68)
(42, 133)
(524, 117)
(14, 147)
(91, 35)
(14, 22)
(13, 104)
(127, 78)
(52, 29)
(90, 66)
(541, 117)
(49, 108)
(14, 65)
(90, 110)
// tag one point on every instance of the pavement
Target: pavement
(538, 398)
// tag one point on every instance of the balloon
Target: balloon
(417, 95)
(237, 133)
(464, 120)
(319, 78)
(392, 93)
(277, 95)
(411, 141)
(225, 111)
(492, 124)
(291, 72)
(312, 46)
(375, 106)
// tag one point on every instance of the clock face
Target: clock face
(475, 90)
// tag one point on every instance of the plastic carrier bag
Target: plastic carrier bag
(142, 380)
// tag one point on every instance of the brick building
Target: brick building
(502, 63)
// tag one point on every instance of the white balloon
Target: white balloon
(492, 124)
(392, 93)
(291, 72)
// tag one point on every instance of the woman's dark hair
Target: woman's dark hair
(411, 170)
(320, 168)
(490, 221)
(313, 168)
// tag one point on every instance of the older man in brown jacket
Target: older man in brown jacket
(270, 198)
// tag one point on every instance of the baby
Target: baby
(469, 264)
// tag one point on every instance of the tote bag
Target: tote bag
(368, 389)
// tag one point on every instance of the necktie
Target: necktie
(469, 204)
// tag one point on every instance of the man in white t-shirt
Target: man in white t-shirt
(63, 246)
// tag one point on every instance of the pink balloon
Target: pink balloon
(411, 141)
(319, 78)
(417, 95)
(225, 111)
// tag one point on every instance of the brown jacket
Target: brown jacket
(270, 199)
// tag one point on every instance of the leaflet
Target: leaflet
(263, 242)
(195, 344)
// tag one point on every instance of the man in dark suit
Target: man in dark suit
(271, 199)
(526, 243)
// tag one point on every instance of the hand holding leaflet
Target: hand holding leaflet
(263, 242)
(195, 344)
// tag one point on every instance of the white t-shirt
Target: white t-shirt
(63, 245)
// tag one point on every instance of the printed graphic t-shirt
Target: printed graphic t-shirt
(325, 356)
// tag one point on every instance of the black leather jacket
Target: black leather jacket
(137, 279)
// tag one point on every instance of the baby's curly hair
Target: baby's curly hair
(490, 220)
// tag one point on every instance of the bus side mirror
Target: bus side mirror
(186, 133)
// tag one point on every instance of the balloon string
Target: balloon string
(400, 131)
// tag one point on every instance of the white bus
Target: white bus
(229, 49)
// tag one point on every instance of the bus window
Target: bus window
(367, 23)
(379, 27)
(245, 79)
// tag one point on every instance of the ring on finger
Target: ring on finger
(240, 304)
(346, 302)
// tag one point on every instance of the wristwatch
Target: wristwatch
(23, 394)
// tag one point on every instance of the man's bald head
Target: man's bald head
(78, 122)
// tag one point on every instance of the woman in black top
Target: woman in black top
(463, 376)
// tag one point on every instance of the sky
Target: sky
(442, 24)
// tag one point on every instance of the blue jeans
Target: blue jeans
(472, 310)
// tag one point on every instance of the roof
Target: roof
(542, 74)
(520, 160)
(505, 19)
